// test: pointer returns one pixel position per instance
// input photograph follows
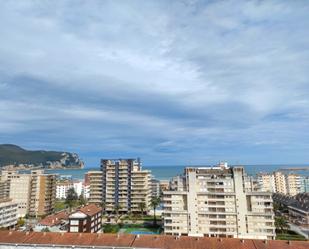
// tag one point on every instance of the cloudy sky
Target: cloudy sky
(173, 82)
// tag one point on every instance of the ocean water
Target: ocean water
(167, 172)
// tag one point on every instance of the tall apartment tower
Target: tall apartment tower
(218, 202)
(125, 185)
(293, 183)
(43, 193)
(94, 179)
(280, 181)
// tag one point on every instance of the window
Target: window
(73, 229)
(74, 222)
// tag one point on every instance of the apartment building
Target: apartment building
(218, 202)
(8, 213)
(278, 182)
(155, 188)
(34, 192)
(87, 219)
(95, 181)
(267, 183)
(3, 189)
(43, 193)
(293, 184)
(20, 189)
(62, 188)
(304, 184)
(125, 185)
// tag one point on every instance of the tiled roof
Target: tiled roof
(145, 241)
(90, 209)
(54, 219)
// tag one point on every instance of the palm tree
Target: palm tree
(142, 207)
(117, 214)
(154, 203)
(281, 224)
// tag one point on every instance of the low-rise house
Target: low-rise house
(55, 223)
(87, 219)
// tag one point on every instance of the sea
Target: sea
(167, 172)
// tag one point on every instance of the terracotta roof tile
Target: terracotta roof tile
(90, 209)
(54, 219)
(146, 241)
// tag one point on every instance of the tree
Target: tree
(21, 222)
(82, 200)
(281, 224)
(71, 198)
(154, 203)
(117, 213)
(142, 207)
(45, 229)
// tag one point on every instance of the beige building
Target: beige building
(218, 202)
(34, 192)
(125, 185)
(8, 213)
(95, 186)
(293, 183)
(267, 183)
(278, 182)
(3, 189)
(20, 187)
(43, 193)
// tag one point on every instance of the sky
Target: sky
(171, 82)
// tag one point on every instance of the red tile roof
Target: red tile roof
(54, 219)
(90, 209)
(145, 241)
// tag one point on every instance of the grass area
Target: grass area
(131, 228)
(59, 205)
(289, 235)
(111, 228)
(140, 228)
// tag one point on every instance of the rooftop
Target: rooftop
(54, 219)
(92, 240)
(90, 209)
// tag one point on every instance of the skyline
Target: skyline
(174, 83)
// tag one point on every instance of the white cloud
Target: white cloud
(170, 73)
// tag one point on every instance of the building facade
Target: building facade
(20, 189)
(34, 193)
(218, 202)
(304, 184)
(62, 188)
(95, 183)
(125, 185)
(278, 182)
(8, 213)
(43, 193)
(87, 219)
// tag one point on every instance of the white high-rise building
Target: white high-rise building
(218, 201)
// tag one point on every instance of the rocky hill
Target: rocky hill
(13, 156)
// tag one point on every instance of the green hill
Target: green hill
(14, 155)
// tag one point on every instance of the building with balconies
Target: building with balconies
(125, 185)
(218, 202)
(8, 213)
